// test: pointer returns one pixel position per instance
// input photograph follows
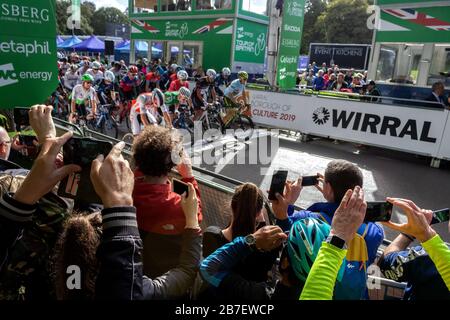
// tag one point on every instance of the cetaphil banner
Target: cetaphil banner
(290, 41)
(28, 68)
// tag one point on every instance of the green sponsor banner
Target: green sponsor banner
(28, 68)
(291, 33)
(250, 42)
(405, 26)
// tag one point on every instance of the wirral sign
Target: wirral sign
(28, 63)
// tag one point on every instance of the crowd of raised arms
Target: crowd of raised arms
(145, 93)
(144, 241)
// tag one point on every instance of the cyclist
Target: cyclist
(235, 90)
(83, 96)
(180, 82)
(71, 77)
(130, 84)
(84, 67)
(107, 88)
(223, 79)
(204, 91)
(152, 79)
(175, 99)
(95, 71)
(141, 113)
(146, 110)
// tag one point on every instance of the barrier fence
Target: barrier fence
(216, 191)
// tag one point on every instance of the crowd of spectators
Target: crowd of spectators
(144, 241)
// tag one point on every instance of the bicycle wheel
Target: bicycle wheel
(243, 127)
(216, 127)
(128, 138)
(110, 128)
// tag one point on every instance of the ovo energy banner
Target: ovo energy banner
(289, 48)
(28, 63)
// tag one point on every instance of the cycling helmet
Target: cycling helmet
(96, 65)
(133, 69)
(305, 238)
(158, 96)
(87, 78)
(243, 75)
(73, 67)
(226, 71)
(174, 66)
(109, 75)
(182, 75)
(185, 92)
(211, 73)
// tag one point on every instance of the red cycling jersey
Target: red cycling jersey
(177, 85)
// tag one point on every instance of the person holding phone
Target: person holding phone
(340, 176)
(425, 267)
(156, 151)
(247, 217)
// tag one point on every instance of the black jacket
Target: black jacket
(120, 254)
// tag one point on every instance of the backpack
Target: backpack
(351, 283)
(27, 272)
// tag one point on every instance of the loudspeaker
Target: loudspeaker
(109, 48)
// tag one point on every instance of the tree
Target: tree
(344, 21)
(61, 16)
(87, 11)
(313, 9)
(107, 15)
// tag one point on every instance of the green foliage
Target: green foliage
(344, 21)
(313, 9)
(93, 20)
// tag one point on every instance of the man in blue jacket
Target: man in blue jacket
(319, 81)
(340, 175)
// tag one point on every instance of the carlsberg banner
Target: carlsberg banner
(28, 65)
(289, 48)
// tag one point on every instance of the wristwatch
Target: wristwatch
(337, 242)
(250, 241)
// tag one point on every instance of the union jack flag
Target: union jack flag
(213, 25)
(419, 18)
(146, 26)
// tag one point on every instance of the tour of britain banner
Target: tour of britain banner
(290, 40)
(28, 60)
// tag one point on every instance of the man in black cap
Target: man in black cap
(372, 91)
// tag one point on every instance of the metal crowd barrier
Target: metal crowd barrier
(216, 191)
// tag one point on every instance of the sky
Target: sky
(119, 4)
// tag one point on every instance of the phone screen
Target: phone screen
(21, 118)
(440, 216)
(180, 187)
(78, 185)
(309, 181)
(378, 211)
(27, 140)
(277, 184)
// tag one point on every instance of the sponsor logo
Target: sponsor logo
(9, 76)
(376, 124)
(260, 44)
(26, 49)
(173, 30)
(294, 9)
(23, 14)
(292, 28)
(321, 116)
(290, 43)
(288, 59)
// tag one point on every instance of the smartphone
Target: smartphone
(21, 118)
(440, 216)
(378, 211)
(27, 140)
(180, 187)
(309, 181)
(78, 185)
(277, 184)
